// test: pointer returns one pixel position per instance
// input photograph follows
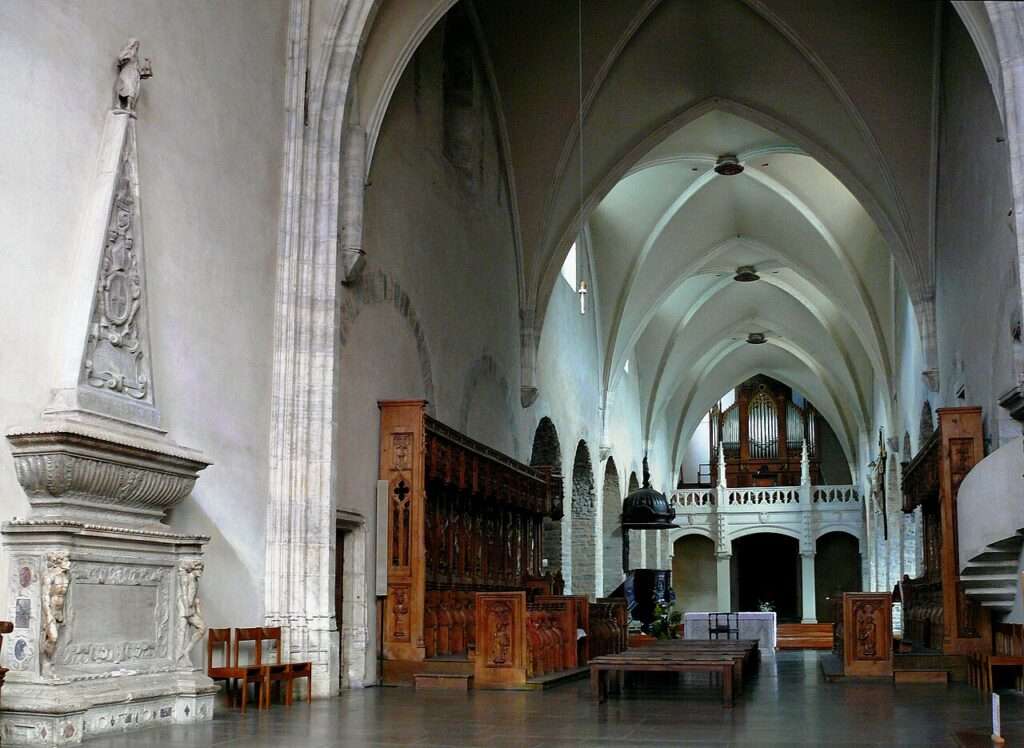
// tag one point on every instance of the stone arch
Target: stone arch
(767, 566)
(637, 539)
(377, 287)
(486, 389)
(694, 571)
(584, 523)
(837, 568)
(611, 514)
(547, 453)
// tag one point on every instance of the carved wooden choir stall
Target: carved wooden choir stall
(863, 634)
(465, 592)
(936, 612)
(763, 433)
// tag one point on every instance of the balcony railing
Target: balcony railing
(699, 500)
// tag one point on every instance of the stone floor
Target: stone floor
(788, 704)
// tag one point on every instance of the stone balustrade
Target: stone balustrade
(806, 512)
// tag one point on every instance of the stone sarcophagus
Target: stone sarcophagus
(102, 593)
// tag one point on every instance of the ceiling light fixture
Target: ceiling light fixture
(756, 338)
(728, 165)
(746, 274)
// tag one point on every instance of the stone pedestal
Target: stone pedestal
(103, 596)
(117, 660)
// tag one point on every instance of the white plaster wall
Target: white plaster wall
(209, 139)
(434, 313)
(977, 285)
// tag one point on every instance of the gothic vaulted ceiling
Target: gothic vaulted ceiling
(827, 105)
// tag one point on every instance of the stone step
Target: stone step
(804, 636)
(974, 581)
(920, 676)
(975, 568)
(444, 681)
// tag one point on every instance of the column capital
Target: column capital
(723, 555)
(808, 554)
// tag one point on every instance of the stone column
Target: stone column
(810, 608)
(723, 572)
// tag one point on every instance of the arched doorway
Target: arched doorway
(767, 569)
(584, 566)
(547, 453)
(611, 514)
(837, 569)
(694, 573)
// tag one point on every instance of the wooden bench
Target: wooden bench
(980, 668)
(661, 662)
(725, 657)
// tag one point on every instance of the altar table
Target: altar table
(753, 625)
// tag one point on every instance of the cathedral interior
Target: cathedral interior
(511, 372)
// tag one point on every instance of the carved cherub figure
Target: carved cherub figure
(56, 582)
(131, 72)
(193, 627)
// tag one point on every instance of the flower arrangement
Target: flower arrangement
(666, 622)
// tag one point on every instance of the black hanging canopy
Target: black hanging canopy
(646, 508)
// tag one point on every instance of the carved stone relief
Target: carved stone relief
(56, 581)
(193, 627)
(115, 357)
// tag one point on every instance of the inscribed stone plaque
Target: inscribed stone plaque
(22, 613)
(108, 612)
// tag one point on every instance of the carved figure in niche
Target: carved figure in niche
(866, 626)
(501, 637)
(401, 612)
(193, 627)
(131, 72)
(56, 582)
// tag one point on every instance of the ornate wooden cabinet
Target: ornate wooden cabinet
(937, 614)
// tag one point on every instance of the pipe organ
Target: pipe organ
(763, 433)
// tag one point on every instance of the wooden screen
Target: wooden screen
(937, 613)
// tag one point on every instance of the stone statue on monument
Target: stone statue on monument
(193, 627)
(56, 581)
(131, 72)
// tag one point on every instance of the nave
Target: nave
(787, 703)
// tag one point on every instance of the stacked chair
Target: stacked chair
(254, 671)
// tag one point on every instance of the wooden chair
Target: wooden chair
(251, 672)
(274, 672)
(723, 625)
(221, 639)
(288, 672)
(297, 671)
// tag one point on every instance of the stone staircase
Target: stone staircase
(991, 576)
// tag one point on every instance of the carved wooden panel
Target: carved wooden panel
(867, 633)
(500, 638)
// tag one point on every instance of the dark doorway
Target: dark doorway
(339, 583)
(768, 571)
(836, 570)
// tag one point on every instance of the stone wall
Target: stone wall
(210, 128)
(584, 534)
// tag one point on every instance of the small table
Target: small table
(753, 625)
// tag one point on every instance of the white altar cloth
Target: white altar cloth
(753, 625)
